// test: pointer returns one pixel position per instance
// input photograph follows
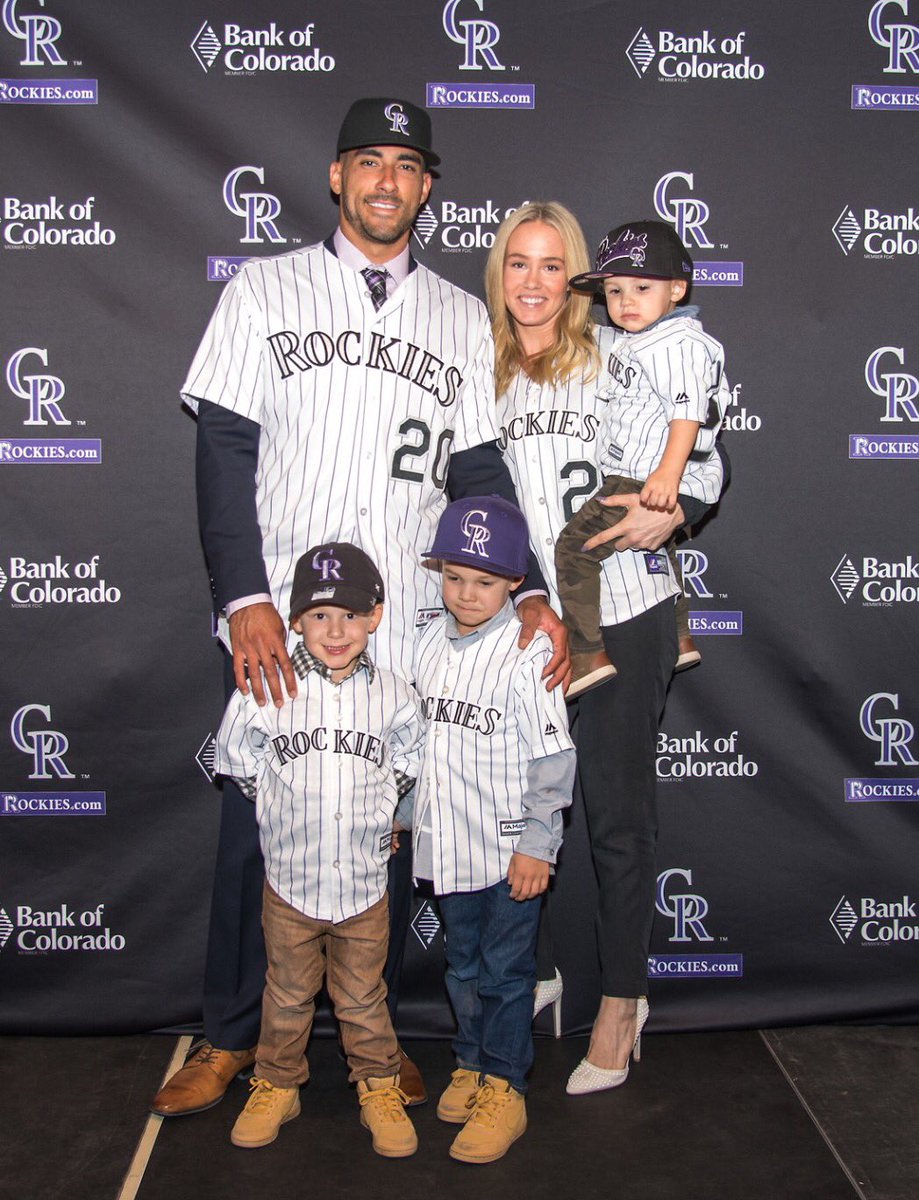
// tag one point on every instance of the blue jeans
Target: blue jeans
(490, 948)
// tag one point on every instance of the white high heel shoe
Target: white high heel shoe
(549, 991)
(587, 1078)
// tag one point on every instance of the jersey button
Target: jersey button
(337, 865)
(338, 816)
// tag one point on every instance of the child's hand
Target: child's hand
(527, 876)
(394, 842)
(660, 491)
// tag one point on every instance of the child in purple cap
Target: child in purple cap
(666, 397)
(498, 769)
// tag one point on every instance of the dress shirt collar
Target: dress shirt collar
(353, 258)
(304, 662)
(501, 617)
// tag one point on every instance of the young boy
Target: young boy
(497, 770)
(666, 398)
(325, 771)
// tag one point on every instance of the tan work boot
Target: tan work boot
(383, 1113)
(498, 1118)
(455, 1104)
(202, 1082)
(589, 671)
(267, 1108)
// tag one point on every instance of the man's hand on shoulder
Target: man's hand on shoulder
(258, 636)
(534, 613)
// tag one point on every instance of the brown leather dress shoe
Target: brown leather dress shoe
(410, 1081)
(202, 1082)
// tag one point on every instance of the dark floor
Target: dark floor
(823, 1113)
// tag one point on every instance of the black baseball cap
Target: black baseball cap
(336, 573)
(647, 248)
(385, 121)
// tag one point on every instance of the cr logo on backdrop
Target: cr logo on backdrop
(41, 391)
(900, 389)
(687, 910)
(892, 733)
(257, 209)
(46, 746)
(694, 564)
(689, 216)
(685, 213)
(899, 38)
(477, 35)
(39, 32)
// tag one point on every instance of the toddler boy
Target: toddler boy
(325, 771)
(666, 398)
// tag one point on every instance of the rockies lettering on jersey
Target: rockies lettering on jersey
(345, 741)
(359, 410)
(325, 769)
(553, 422)
(411, 362)
(489, 716)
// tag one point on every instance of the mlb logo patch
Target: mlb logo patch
(386, 841)
(657, 564)
(511, 828)
(424, 616)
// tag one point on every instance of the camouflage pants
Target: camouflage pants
(578, 572)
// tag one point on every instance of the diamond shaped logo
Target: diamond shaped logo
(2, 579)
(844, 919)
(205, 756)
(6, 927)
(425, 924)
(640, 53)
(847, 229)
(845, 578)
(425, 224)
(206, 46)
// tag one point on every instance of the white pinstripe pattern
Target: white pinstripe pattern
(325, 815)
(549, 437)
(359, 411)
(488, 715)
(671, 371)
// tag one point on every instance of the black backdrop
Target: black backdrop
(140, 146)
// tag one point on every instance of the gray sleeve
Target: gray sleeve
(550, 781)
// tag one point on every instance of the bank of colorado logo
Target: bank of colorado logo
(877, 582)
(426, 924)
(703, 756)
(874, 921)
(880, 233)
(689, 215)
(458, 228)
(63, 929)
(883, 722)
(706, 622)
(688, 911)
(890, 27)
(266, 49)
(53, 222)
(899, 391)
(679, 57)
(738, 419)
(206, 757)
(467, 25)
(34, 583)
(47, 749)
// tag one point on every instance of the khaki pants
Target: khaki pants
(350, 955)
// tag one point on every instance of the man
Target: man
(338, 389)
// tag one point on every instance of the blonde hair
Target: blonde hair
(574, 350)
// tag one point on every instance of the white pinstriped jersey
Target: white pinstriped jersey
(325, 788)
(488, 716)
(359, 411)
(549, 438)
(672, 371)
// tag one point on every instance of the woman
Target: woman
(548, 357)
